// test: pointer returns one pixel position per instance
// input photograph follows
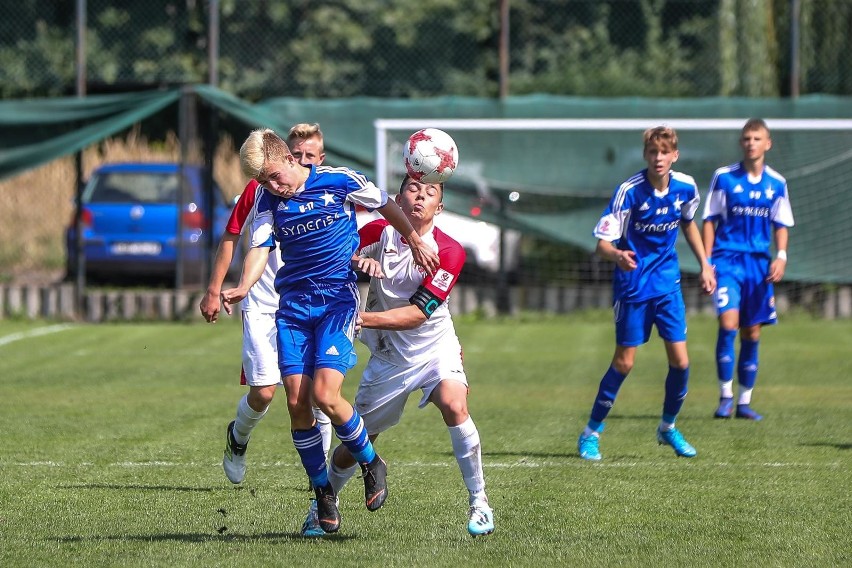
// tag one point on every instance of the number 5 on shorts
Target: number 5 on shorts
(722, 298)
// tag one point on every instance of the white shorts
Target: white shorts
(384, 387)
(260, 349)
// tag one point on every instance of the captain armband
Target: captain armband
(426, 301)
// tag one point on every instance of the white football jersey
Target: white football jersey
(402, 279)
(262, 297)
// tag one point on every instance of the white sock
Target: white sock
(726, 389)
(324, 425)
(666, 426)
(468, 452)
(745, 396)
(589, 432)
(339, 477)
(247, 419)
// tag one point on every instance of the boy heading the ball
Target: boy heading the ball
(413, 344)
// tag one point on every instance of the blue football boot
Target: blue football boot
(676, 440)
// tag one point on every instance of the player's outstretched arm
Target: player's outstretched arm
(211, 302)
(693, 239)
(253, 267)
(422, 253)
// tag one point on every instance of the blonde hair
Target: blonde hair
(304, 131)
(262, 147)
(665, 135)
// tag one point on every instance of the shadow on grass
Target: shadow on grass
(829, 445)
(572, 452)
(632, 417)
(139, 487)
(202, 537)
(253, 491)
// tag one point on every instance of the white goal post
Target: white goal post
(384, 125)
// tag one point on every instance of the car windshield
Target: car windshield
(129, 187)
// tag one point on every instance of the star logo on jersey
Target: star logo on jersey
(769, 192)
(328, 199)
(738, 189)
(677, 203)
(645, 207)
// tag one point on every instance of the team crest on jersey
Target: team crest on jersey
(442, 280)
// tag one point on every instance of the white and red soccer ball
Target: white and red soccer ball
(430, 155)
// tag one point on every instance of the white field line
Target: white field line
(12, 337)
(421, 465)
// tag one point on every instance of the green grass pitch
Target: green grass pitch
(113, 436)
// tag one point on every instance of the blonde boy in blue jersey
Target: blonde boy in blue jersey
(748, 207)
(638, 231)
(308, 214)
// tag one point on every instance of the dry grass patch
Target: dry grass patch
(38, 204)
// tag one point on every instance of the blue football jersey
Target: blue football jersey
(745, 208)
(316, 229)
(646, 221)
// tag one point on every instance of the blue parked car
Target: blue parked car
(131, 216)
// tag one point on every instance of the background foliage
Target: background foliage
(414, 48)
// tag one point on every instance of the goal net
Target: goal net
(548, 180)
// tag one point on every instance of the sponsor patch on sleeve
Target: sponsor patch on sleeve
(442, 280)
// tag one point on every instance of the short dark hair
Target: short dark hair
(408, 178)
(755, 124)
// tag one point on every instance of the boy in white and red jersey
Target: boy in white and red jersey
(260, 352)
(413, 344)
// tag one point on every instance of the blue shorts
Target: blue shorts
(633, 320)
(316, 329)
(741, 285)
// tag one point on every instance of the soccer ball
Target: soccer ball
(430, 155)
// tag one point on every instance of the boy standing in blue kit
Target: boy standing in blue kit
(638, 231)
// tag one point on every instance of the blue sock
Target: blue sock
(677, 382)
(725, 354)
(747, 368)
(354, 437)
(607, 391)
(309, 445)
